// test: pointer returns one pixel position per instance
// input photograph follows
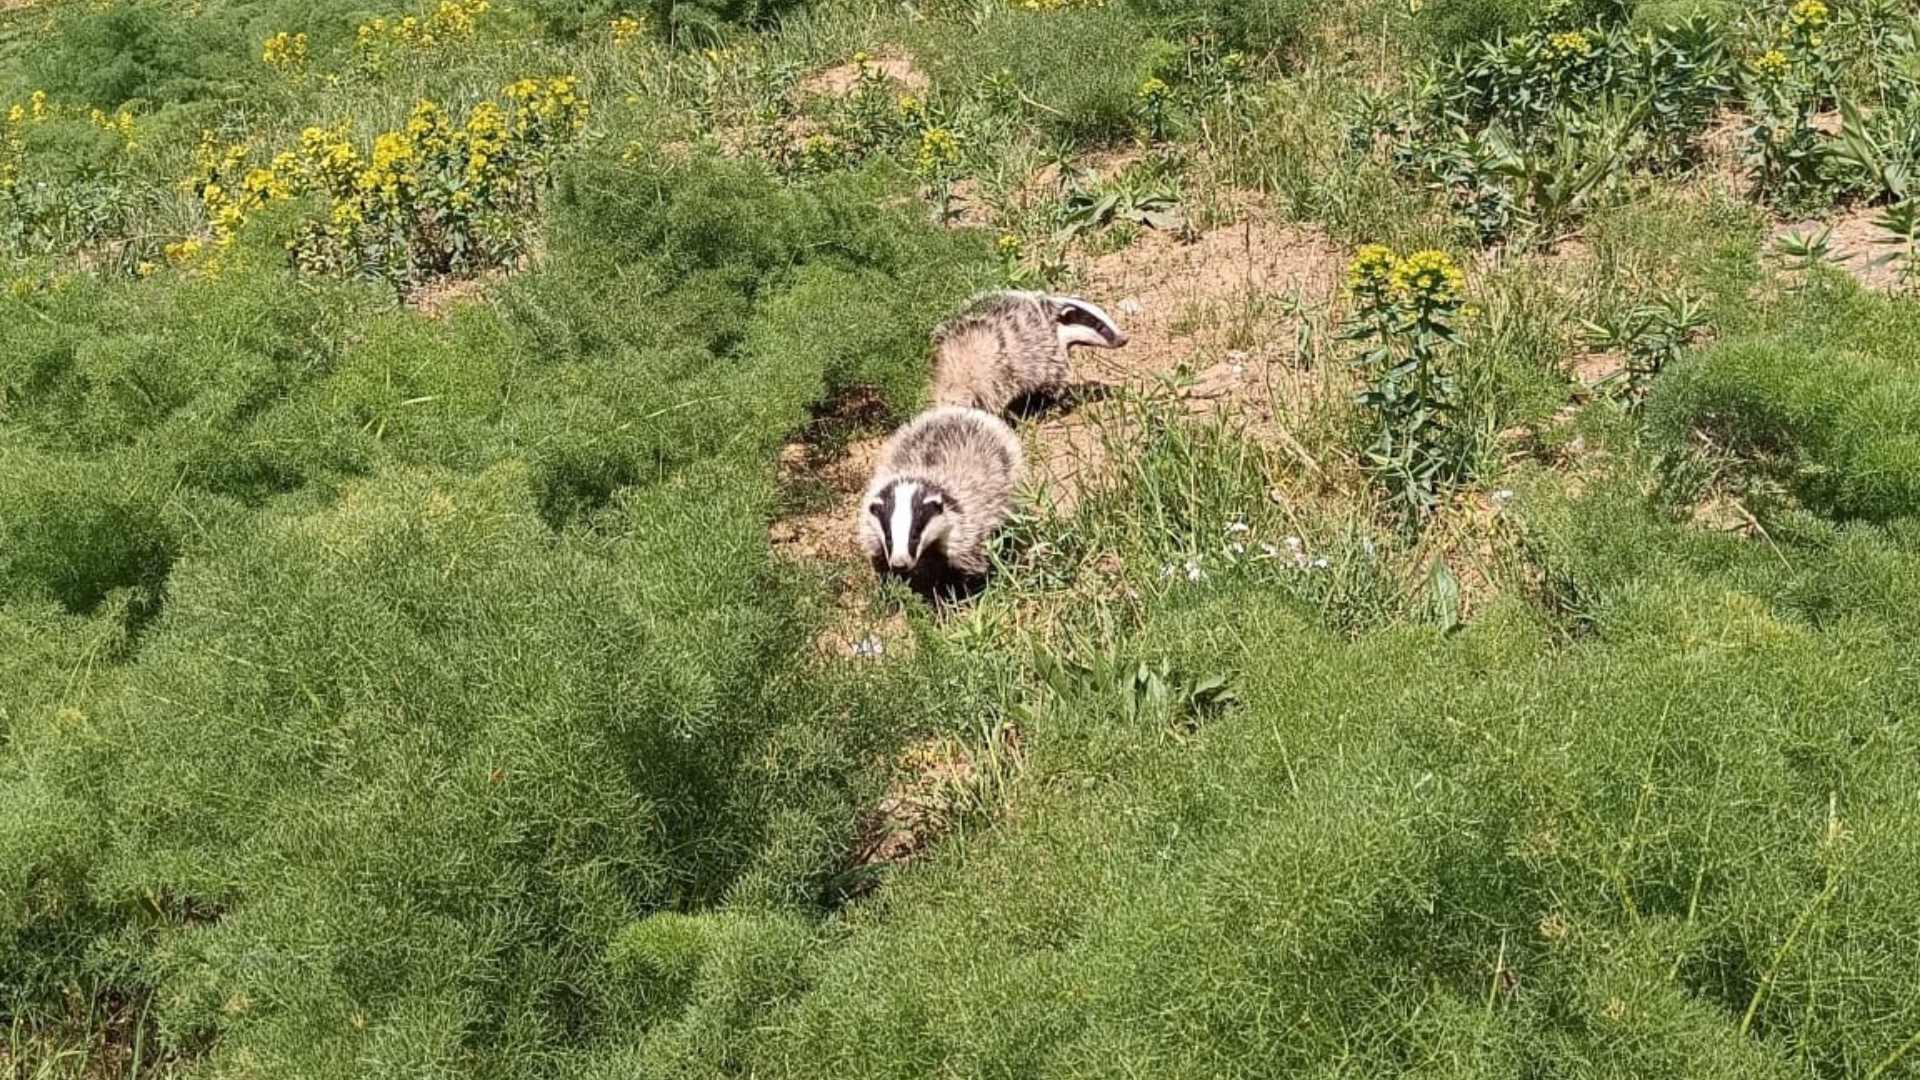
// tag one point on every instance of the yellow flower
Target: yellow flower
(1152, 91)
(144, 269)
(1429, 274)
(1570, 44)
(1372, 266)
(17, 115)
(820, 150)
(1811, 14)
(1010, 245)
(910, 106)
(861, 58)
(938, 148)
(1771, 64)
(182, 252)
(38, 105)
(625, 28)
(285, 51)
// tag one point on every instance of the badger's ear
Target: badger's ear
(1082, 322)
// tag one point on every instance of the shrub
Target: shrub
(138, 51)
(415, 642)
(1258, 26)
(1083, 66)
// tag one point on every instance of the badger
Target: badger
(943, 486)
(1005, 345)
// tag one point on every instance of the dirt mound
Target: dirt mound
(1853, 239)
(1217, 321)
(839, 81)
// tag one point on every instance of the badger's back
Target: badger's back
(1001, 346)
(971, 453)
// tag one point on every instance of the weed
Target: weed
(1899, 229)
(1651, 335)
(1802, 251)
(1405, 310)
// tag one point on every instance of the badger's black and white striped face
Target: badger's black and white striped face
(914, 517)
(1081, 322)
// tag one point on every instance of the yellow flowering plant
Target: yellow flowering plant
(1788, 80)
(1406, 308)
(1152, 97)
(285, 52)
(624, 30)
(438, 196)
(384, 38)
(47, 205)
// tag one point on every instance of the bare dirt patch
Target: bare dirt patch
(839, 81)
(1215, 321)
(1591, 369)
(825, 534)
(438, 299)
(1852, 241)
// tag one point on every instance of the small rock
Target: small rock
(869, 647)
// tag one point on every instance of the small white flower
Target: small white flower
(1238, 549)
(1270, 551)
(1238, 527)
(1503, 495)
(1194, 573)
(869, 647)
(1293, 543)
(1321, 563)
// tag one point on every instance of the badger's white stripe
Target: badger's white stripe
(1107, 335)
(900, 529)
(1094, 310)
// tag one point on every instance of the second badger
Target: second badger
(1004, 345)
(944, 485)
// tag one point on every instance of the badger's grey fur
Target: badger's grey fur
(943, 486)
(1005, 345)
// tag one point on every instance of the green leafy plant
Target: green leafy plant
(1089, 208)
(1163, 694)
(1651, 335)
(1551, 184)
(1404, 320)
(1871, 158)
(1530, 128)
(1802, 251)
(1899, 229)
(1786, 85)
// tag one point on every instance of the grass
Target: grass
(402, 681)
